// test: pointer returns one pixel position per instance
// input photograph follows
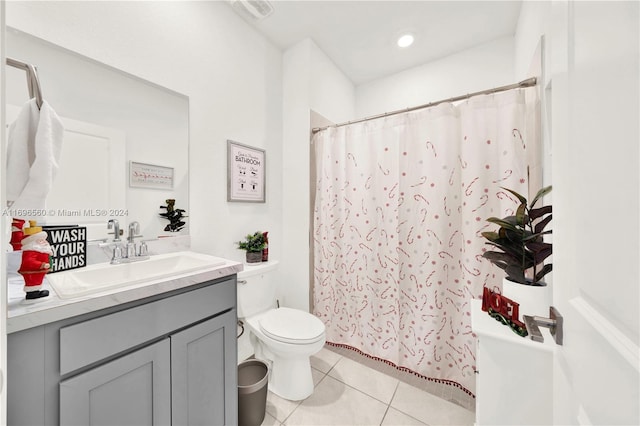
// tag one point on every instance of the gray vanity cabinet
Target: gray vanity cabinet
(201, 373)
(170, 359)
(131, 390)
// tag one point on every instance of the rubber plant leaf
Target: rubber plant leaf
(537, 236)
(539, 212)
(520, 214)
(540, 194)
(516, 274)
(520, 197)
(496, 256)
(508, 246)
(508, 222)
(544, 271)
(540, 251)
(490, 235)
(542, 224)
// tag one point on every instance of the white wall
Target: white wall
(231, 74)
(534, 22)
(311, 82)
(483, 67)
(332, 94)
(532, 33)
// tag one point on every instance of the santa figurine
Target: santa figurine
(17, 234)
(35, 260)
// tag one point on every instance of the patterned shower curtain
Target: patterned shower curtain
(400, 203)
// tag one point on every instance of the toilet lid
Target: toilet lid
(291, 326)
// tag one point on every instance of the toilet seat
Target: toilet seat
(292, 326)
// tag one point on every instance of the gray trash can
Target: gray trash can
(253, 380)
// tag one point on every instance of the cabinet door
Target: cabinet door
(131, 390)
(204, 373)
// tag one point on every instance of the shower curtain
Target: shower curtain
(400, 203)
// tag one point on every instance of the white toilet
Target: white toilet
(284, 337)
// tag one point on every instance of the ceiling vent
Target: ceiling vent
(256, 10)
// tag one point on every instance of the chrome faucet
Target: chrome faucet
(115, 225)
(126, 253)
(134, 229)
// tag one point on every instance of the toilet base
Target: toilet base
(289, 369)
(291, 378)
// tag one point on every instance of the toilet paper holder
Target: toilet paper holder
(554, 323)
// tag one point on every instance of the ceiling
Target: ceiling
(360, 36)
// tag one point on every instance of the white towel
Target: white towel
(33, 153)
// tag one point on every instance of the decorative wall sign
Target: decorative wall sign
(503, 310)
(245, 173)
(143, 175)
(68, 247)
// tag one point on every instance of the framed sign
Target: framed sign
(143, 175)
(68, 247)
(245, 173)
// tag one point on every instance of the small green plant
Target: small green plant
(253, 242)
(520, 237)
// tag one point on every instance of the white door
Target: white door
(595, 138)
(3, 244)
(89, 187)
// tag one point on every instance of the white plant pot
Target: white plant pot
(533, 300)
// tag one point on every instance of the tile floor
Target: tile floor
(350, 392)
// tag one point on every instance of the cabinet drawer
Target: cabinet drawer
(87, 342)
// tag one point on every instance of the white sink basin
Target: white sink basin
(104, 276)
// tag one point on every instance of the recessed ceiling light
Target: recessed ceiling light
(405, 40)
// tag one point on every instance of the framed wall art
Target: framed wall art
(246, 167)
(143, 175)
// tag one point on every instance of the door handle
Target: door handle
(554, 323)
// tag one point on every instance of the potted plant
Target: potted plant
(521, 251)
(253, 244)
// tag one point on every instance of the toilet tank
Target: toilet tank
(256, 288)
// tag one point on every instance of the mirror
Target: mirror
(126, 144)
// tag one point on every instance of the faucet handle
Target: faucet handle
(131, 250)
(143, 250)
(134, 229)
(115, 225)
(117, 253)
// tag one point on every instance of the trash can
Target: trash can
(253, 380)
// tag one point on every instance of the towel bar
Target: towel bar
(33, 83)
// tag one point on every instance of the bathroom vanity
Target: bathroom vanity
(158, 353)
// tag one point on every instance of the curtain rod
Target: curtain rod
(33, 83)
(524, 83)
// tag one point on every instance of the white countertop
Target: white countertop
(484, 325)
(24, 314)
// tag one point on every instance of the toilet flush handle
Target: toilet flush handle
(242, 281)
